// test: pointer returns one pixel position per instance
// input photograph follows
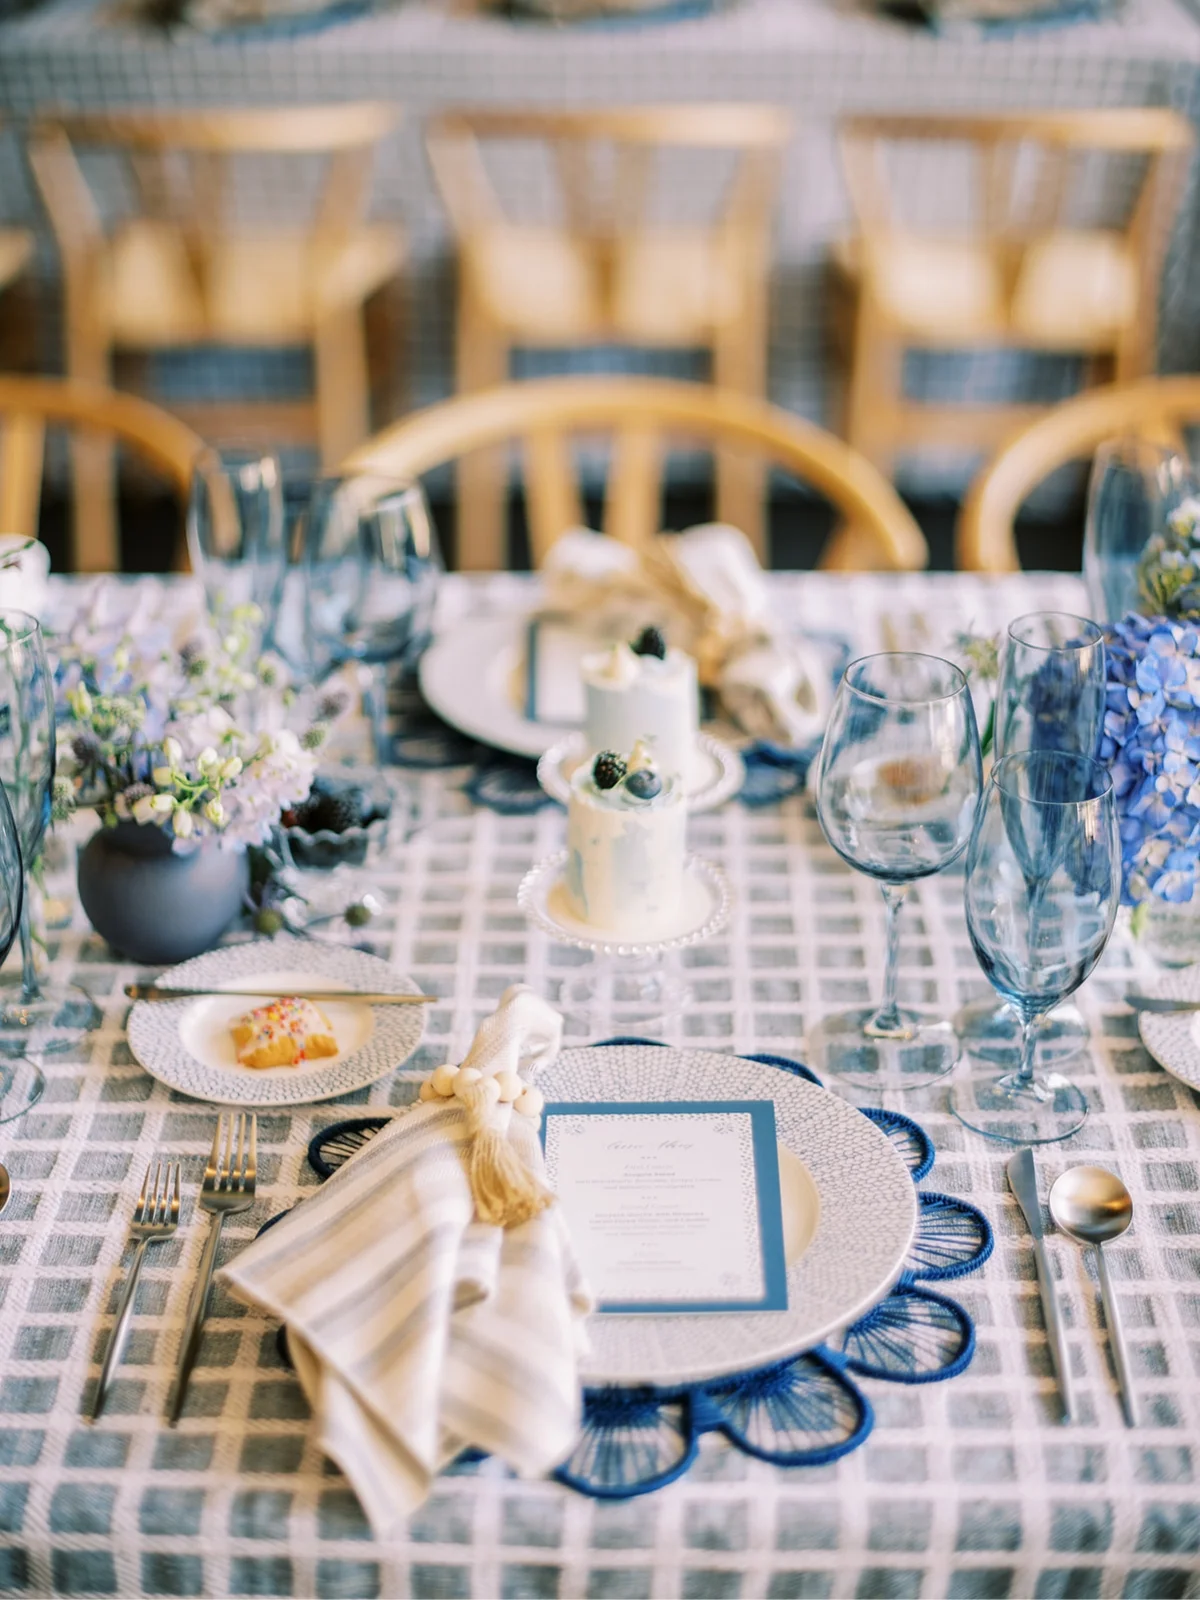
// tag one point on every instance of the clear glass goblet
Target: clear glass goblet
(1043, 883)
(1134, 486)
(1051, 696)
(371, 569)
(898, 781)
(21, 1080)
(42, 1016)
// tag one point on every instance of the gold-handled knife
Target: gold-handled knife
(154, 991)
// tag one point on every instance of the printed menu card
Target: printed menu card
(673, 1206)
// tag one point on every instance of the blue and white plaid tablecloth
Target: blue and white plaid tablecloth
(969, 1488)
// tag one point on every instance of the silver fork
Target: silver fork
(155, 1217)
(228, 1185)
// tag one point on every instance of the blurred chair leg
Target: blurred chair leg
(740, 363)
(481, 363)
(342, 383)
(96, 547)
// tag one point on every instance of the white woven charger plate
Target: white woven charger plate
(186, 1044)
(866, 1221)
(1171, 1038)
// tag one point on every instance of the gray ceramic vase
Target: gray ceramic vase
(153, 904)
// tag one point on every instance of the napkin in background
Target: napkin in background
(417, 1331)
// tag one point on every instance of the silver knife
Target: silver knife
(155, 991)
(1159, 1002)
(1022, 1180)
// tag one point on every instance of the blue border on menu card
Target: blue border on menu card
(766, 1176)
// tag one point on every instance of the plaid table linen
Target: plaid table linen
(969, 1489)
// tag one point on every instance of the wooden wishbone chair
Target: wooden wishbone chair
(641, 415)
(1156, 408)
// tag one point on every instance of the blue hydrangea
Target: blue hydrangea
(1151, 741)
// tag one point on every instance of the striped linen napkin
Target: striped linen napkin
(416, 1330)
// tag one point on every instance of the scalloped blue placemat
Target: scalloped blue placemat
(806, 1411)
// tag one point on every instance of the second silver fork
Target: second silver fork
(229, 1181)
(156, 1216)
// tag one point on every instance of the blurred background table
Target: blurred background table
(808, 56)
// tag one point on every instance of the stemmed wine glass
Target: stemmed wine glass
(235, 532)
(42, 1016)
(1134, 486)
(898, 782)
(21, 1080)
(371, 566)
(1051, 696)
(1042, 888)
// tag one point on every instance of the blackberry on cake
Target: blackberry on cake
(651, 642)
(608, 769)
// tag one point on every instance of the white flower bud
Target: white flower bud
(231, 768)
(183, 824)
(163, 804)
(143, 810)
(163, 777)
(208, 758)
(173, 751)
(215, 812)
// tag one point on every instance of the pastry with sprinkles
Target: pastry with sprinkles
(283, 1034)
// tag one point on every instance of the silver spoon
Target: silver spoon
(1092, 1206)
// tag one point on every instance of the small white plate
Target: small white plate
(1169, 1036)
(717, 773)
(467, 676)
(187, 1045)
(703, 911)
(849, 1205)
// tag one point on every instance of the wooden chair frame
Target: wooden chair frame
(191, 195)
(879, 420)
(598, 217)
(1155, 409)
(641, 413)
(29, 405)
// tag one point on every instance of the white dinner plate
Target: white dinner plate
(467, 676)
(187, 1045)
(1171, 1038)
(840, 1261)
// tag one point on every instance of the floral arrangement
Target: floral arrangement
(1169, 569)
(185, 729)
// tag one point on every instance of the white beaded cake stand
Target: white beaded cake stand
(718, 774)
(628, 981)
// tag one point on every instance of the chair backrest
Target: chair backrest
(604, 159)
(1156, 408)
(29, 405)
(641, 415)
(1023, 163)
(180, 160)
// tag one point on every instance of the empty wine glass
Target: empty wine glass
(1042, 887)
(898, 782)
(235, 532)
(1133, 488)
(21, 1080)
(1051, 696)
(371, 566)
(42, 1016)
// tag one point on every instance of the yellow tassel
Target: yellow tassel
(506, 1192)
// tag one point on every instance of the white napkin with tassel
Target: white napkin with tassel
(416, 1328)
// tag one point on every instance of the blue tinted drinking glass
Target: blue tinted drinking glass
(897, 786)
(1134, 487)
(1051, 696)
(235, 531)
(1043, 883)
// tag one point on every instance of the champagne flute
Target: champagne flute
(371, 568)
(235, 533)
(898, 781)
(1051, 696)
(42, 1016)
(1042, 887)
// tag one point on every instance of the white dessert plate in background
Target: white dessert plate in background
(857, 1243)
(1173, 1038)
(187, 1045)
(703, 911)
(717, 776)
(467, 675)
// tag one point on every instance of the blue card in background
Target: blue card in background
(672, 1205)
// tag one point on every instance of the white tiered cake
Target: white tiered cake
(634, 692)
